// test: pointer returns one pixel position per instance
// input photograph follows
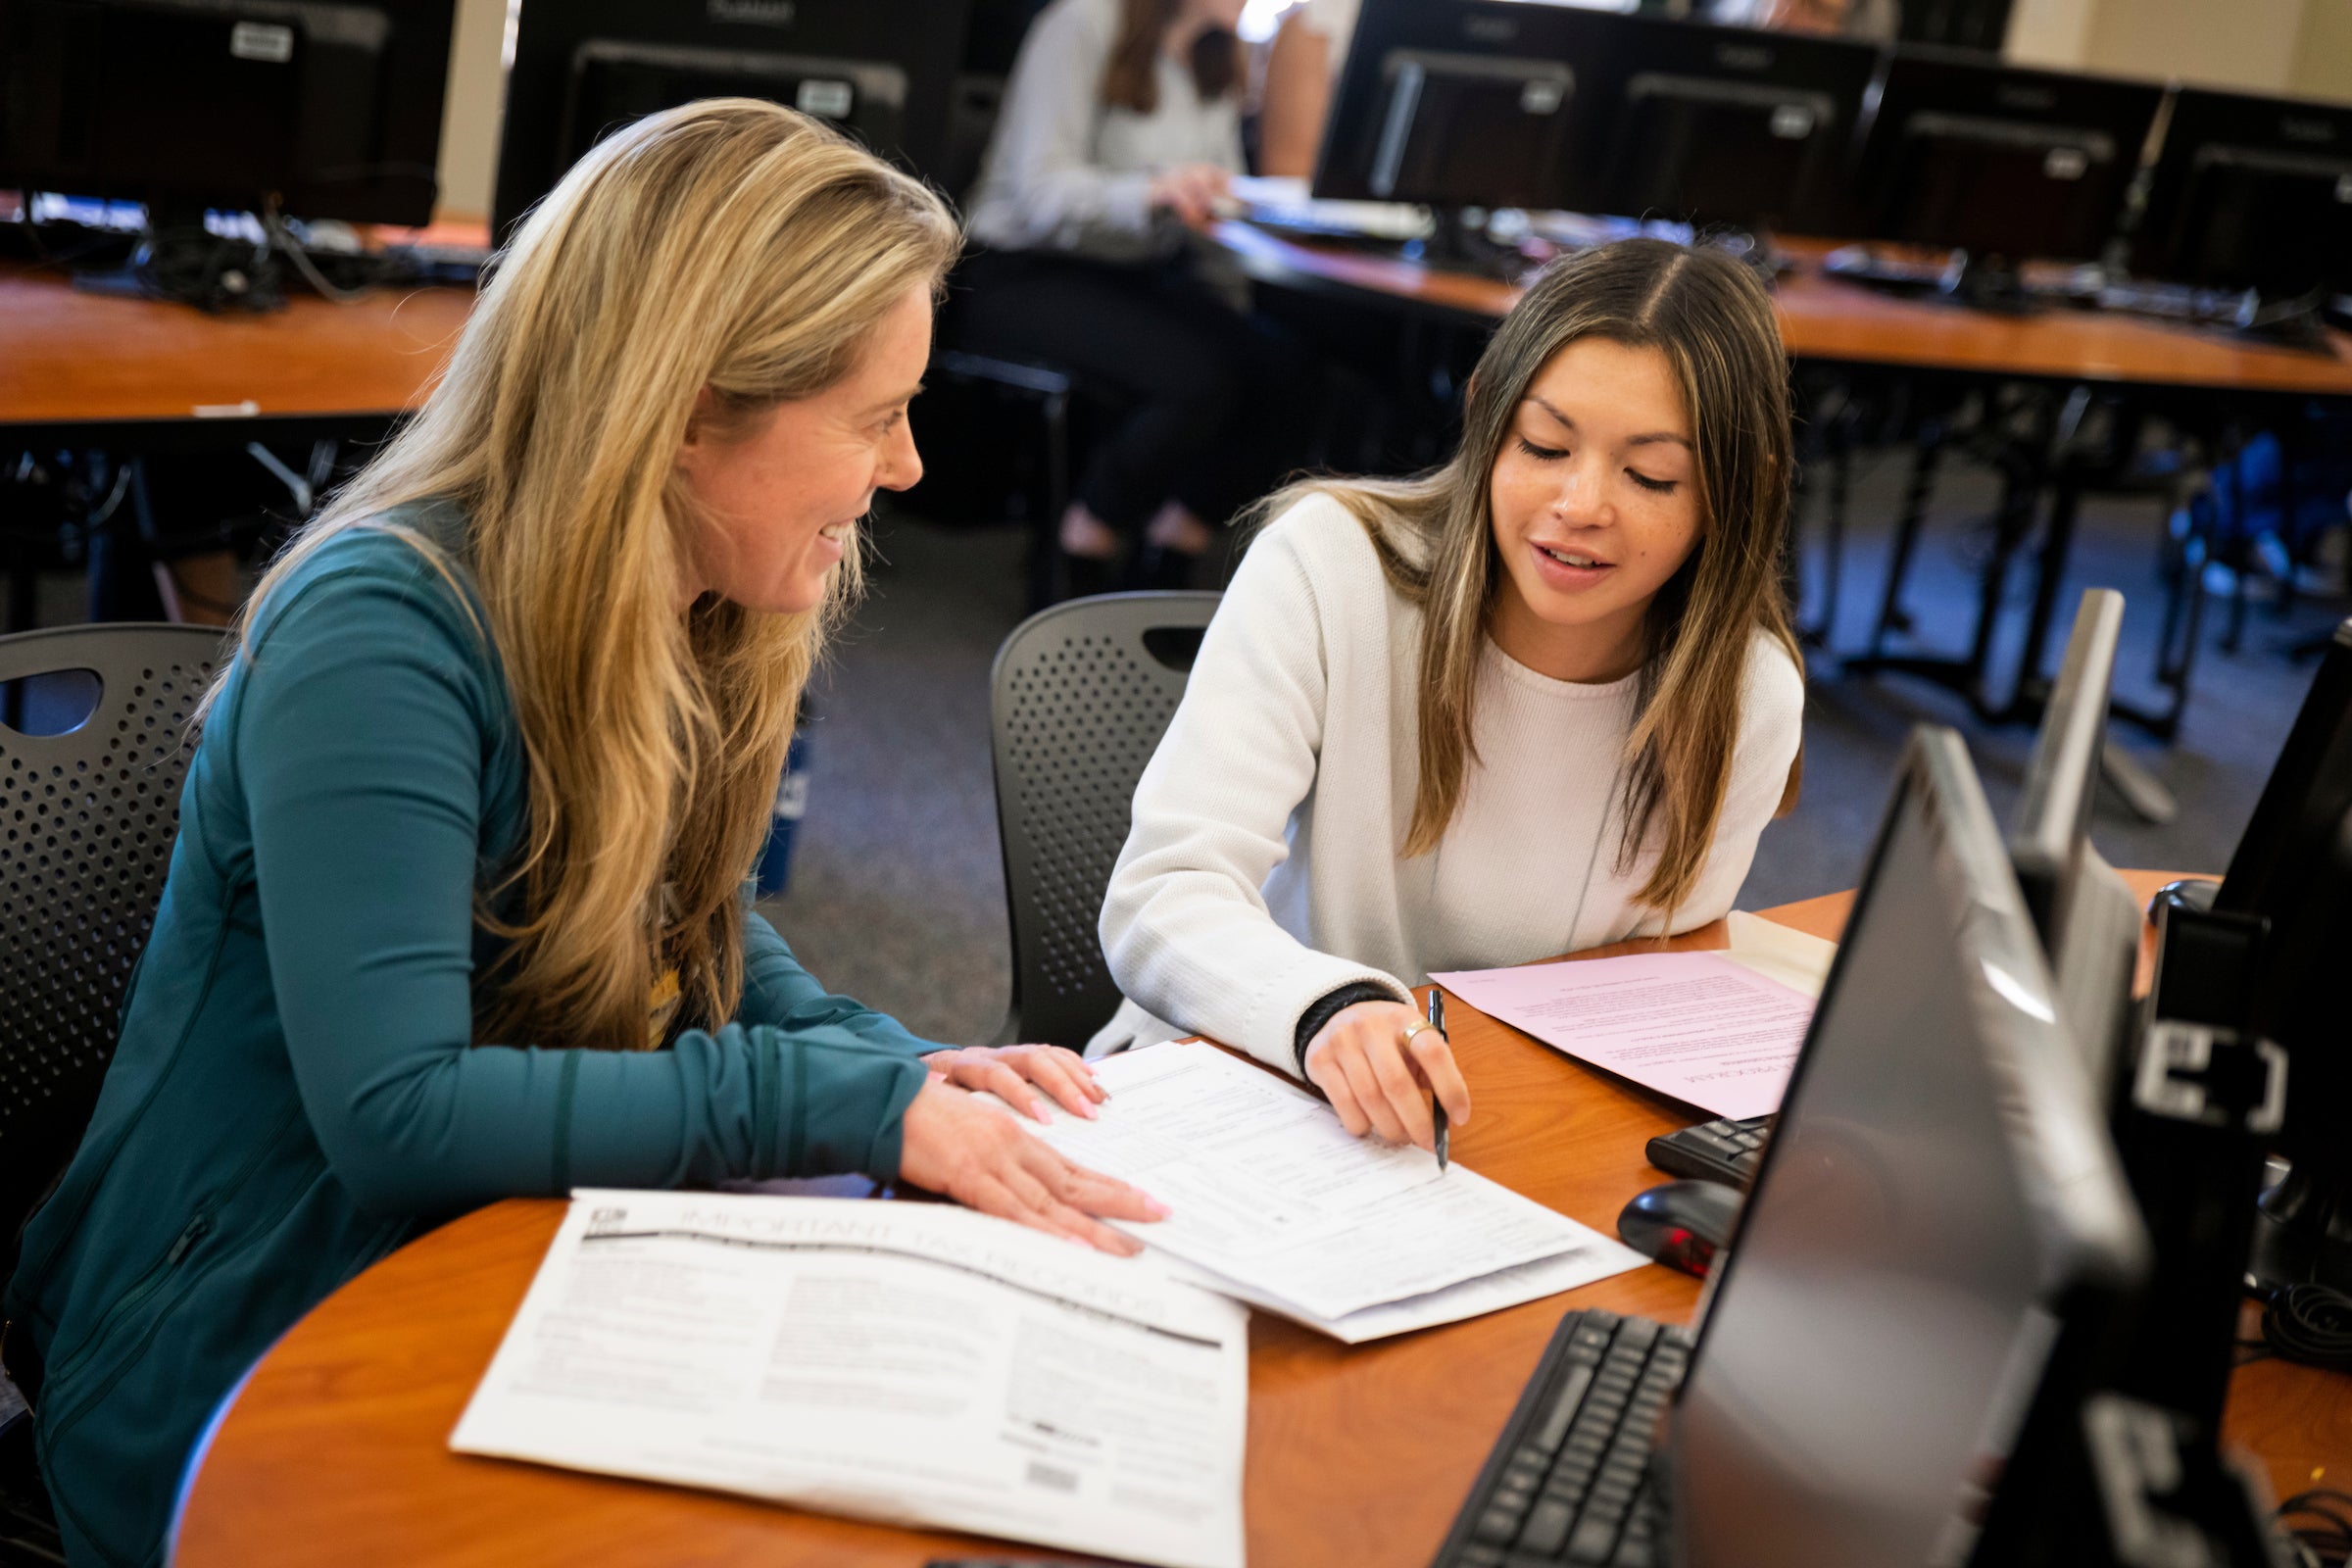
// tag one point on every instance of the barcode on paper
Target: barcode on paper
(1051, 1477)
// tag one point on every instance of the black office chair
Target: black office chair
(1079, 699)
(86, 824)
(87, 820)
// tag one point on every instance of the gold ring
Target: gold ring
(1404, 1036)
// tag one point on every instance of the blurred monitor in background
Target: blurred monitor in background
(883, 71)
(1874, 19)
(2251, 193)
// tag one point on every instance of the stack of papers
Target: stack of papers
(911, 1363)
(1276, 1204)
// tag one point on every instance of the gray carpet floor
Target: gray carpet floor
(898, 892)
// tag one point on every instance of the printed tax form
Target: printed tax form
(913, 1363)
(1277, 1206)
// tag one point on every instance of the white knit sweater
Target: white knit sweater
(1263, 869)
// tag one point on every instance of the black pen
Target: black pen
(1436, 1110)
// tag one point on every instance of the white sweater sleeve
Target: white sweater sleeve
(1772, 722)
(1044, 190)
(1185, 927)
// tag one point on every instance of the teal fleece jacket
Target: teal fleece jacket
(295, 1094)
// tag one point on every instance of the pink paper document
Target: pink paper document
(1693, 1025)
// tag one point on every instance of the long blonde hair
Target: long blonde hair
(730, 244)
(1435, 535)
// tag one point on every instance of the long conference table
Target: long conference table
(1825, 319)
(89, 367)
(335, 1450)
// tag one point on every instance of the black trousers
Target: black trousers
(1217, 403)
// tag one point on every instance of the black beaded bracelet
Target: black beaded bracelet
(1330, 1006)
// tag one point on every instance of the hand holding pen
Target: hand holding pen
(1382, 1065)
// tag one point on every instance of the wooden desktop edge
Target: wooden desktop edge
(335, 1451)
(1825, 319)
(69, 358)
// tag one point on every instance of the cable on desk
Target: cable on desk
(274, 225)
(2325, 1540)
(189, 265)
(2311, 1324)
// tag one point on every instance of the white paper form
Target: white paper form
(1269, 1191)
(1799, 961)
(1693, 1025)
(1598, 1259)
(911, 1363)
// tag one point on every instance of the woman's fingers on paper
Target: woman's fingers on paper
(1435, 1058)
(1063, 1076)
(1108, 1197)
(1407, 1100)
(1082, 1194)
(1048, 1211)
(1096, 1235)
(1002, 1079)
(1355, 1060)
(1325, 1073)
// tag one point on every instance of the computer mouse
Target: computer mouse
(1680, 1224)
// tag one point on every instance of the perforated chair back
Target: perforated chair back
(1080, 697)
(86, 824)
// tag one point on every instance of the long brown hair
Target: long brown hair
(730, 244)
(1130, 78)
(1435, 535)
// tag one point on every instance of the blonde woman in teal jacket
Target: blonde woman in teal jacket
(455, 912)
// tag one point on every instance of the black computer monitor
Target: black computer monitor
(1469, 103)
(883, 70)
(1730, 126)
(2293, 869)
(1998, 161)
(2250, 193)
(2308, 793)
(2085, 915)
(332, 108)
(1941, 1195)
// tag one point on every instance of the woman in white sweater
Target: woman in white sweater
(1542, 697)
(1119, 131)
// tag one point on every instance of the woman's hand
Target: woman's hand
(1378, 1083)
(1191, 192)
(969, 1150)
(1007, 1071)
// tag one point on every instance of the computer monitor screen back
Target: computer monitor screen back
(2308, 793)
(1729, 126)
(615, 82)
(1938, 1179)
(333, 109)
(2251, 193)
(2002, 162)
(1469, 103)
(2293, 866)
(2086, 913)
(882, 70)
(2299, 1003)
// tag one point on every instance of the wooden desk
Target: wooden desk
(336, 1450)
(1831, 322)
(103, 371)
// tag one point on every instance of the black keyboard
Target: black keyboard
(1570, 1480)
(1715, 1150)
